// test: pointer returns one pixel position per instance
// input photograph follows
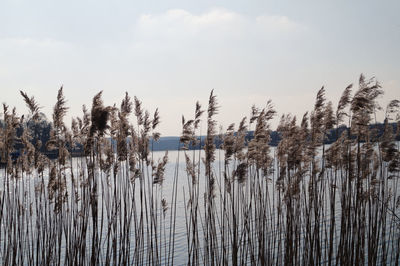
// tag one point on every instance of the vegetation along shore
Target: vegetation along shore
(319, 189)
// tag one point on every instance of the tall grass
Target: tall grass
(302, 202)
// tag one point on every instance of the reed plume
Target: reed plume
(59, 110)
(32, 105)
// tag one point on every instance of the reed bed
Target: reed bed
(301, 203)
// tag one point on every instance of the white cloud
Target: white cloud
(182, 17)
(278, 24)
(217, 22)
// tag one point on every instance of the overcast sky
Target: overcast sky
(172, 53)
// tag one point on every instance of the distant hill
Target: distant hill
(166, 143)
(172, 143)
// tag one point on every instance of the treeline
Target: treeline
(171, 143)
(42, 128)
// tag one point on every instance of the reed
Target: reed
(301, 203)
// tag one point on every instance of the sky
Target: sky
(172, 53)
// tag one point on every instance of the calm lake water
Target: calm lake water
(176, 167)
